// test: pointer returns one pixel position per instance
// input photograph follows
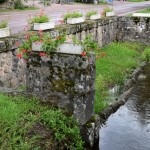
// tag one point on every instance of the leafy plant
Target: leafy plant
(90, 13)
(105, 10)
(3, 24)
(89, 45)
(72, 15)
(49, 44)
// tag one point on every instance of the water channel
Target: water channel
(129, 127)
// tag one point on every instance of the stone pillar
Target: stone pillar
(64, 80)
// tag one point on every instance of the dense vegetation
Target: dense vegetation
(25, 124)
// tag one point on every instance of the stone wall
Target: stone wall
(12, 70)
(64, 80)
(7, 5)
(135, 29)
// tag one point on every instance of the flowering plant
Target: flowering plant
(40, 18)
(89, 46)
(48, 43)
(90, 13)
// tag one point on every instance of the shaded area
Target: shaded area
(129, 127)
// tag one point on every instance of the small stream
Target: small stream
(129, 127)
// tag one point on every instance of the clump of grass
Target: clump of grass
(112, 69)
(26, 124)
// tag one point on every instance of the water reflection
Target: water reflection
(129, 127)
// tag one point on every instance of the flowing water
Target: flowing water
(129, 127)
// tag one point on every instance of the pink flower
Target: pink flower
(42, 54)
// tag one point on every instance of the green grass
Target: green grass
(112, 69)
(146, 10)
(23, 9)
(25, 124)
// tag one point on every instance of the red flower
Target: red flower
(42, 54)
(83, 53)
(17, 43)
(103, 54)
(24, 50)
(19, 56)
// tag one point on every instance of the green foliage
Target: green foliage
(3, 24)
(49, 44)
(146, 10)
(66, 129)
(19, 116)
(113, 68)
(105, 10)
(18, 4)
(146, 54)
(88, 44)
(90, 13)
(72, 15)
(40, 19)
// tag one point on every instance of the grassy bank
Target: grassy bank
(112, 69)
(25, 124)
